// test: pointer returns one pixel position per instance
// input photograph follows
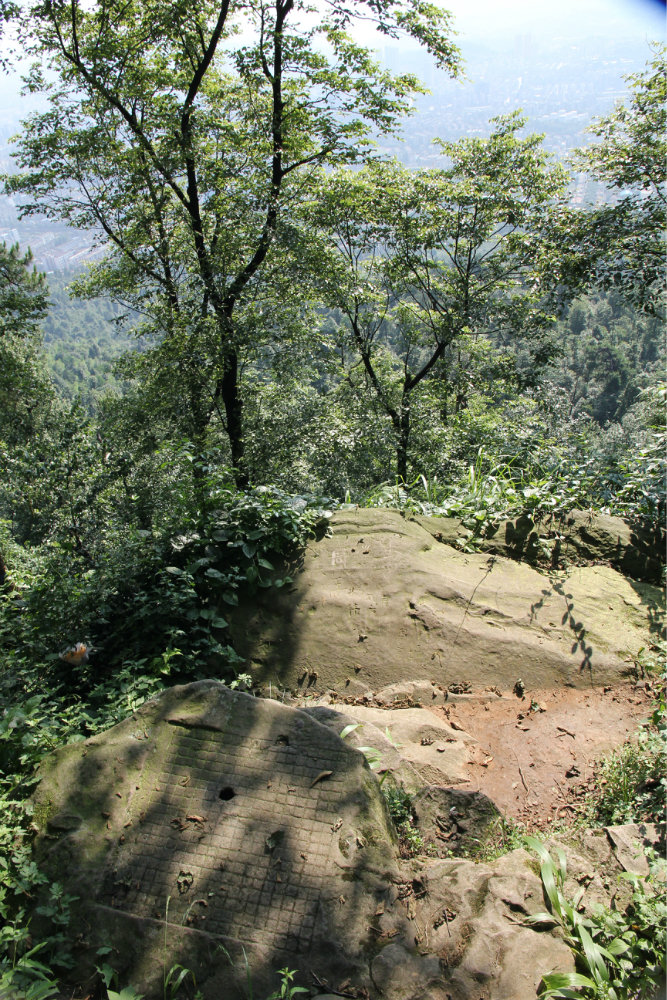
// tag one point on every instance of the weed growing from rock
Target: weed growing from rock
(619, 956)
(399, 804)
(502, 836)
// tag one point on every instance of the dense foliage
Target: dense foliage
(615, 246)
(186, 150)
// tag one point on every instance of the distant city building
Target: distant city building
(68, 255)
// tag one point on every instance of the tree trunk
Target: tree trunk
(461, 401)
(403, 435)
(234, 413)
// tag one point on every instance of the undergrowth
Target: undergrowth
(492, 493)
(618, 955)
(631, 780)
(503, 835)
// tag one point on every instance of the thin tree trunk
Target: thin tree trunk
(233, 404)
(403, 435)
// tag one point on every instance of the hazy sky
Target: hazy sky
(495, 23)
(486, 20)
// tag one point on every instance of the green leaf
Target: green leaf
(264, 563)
(230, 597)
(560, 854)
(562, 993)
(594, 957)
(107, 973)
(541, 918)
(558, 980)
(549, 883)
(174, 984)
(129, 993)
(39, 990)
(538, 847)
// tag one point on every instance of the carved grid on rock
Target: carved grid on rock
(251, 890)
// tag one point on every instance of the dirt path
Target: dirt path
(532, 766)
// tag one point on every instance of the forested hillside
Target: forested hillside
(81, 343)
(320, 329)
(608, 355)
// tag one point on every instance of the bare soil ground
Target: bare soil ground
(537, 766)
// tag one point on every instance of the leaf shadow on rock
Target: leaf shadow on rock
(305, 899)
(654, 608)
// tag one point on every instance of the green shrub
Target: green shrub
(634, 782)
(148, 594)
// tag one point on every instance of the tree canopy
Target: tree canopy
(421, 260)
(181, 147)
(622, 246)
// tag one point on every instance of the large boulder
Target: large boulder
(237, 820)
(382, 601)
(214, 829)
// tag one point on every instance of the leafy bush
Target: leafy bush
(494, 491)
(642, 927)
(631, 782)
(28, 969)
(620, 956)
(151, 592)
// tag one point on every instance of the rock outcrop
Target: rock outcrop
(383, 602)
(415, 747)
(572, 538)
(213, 828)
